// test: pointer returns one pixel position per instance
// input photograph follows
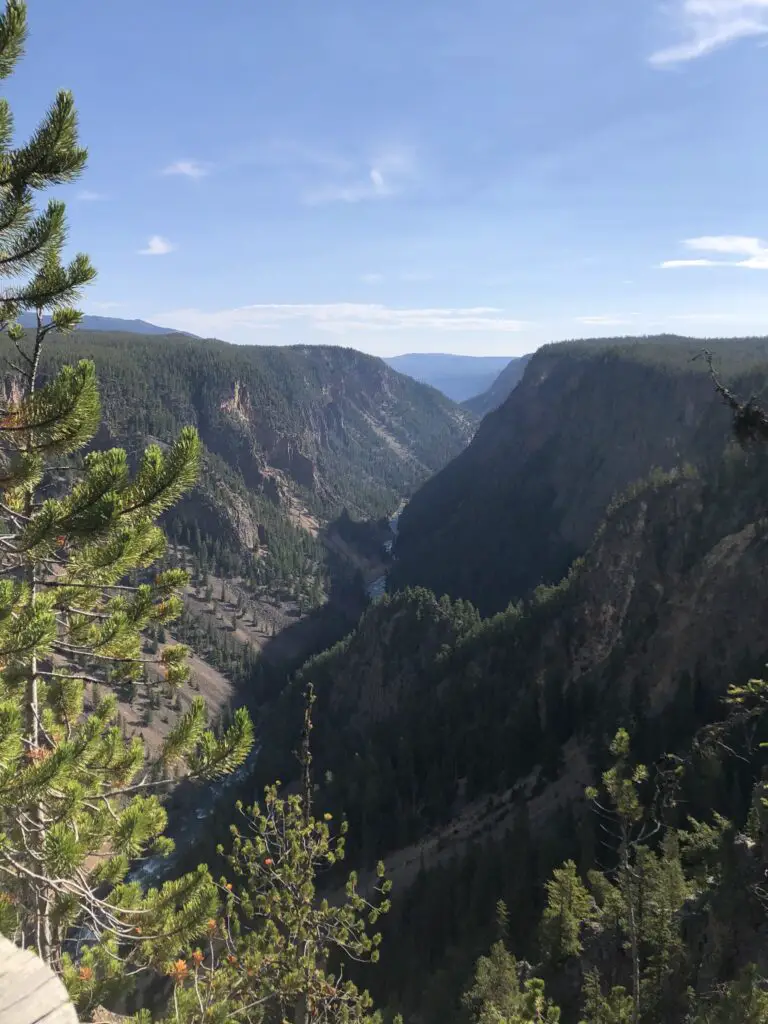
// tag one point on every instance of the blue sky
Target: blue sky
(439, 175)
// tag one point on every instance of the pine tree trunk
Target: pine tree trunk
(43, 925)
(301, 1010)
(634, 944)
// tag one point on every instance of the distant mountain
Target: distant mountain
(500, 390)
(108, 323)
(458, 377)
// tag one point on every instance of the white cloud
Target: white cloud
(707, 25)
(340, 319)
(672, 264)
(388, 174)
(603, 320)
(739, 244)
(372, 278)
(157, 246)
(187, 169)
(87, 196)
(754, 251)
(104, 306)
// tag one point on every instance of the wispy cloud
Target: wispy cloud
(416, 276)
(102, 307)
(157, 246)
(388, 174)
(187, 169)
(87, 196)
(753, 251)
(707, 25)
(603, 320)
(372, 278)
(705, 317)
(341, 318)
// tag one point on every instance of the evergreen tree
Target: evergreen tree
(498, 996)
(615, 1008)
(78, 801)
(623, 811)
(743, 1001)
(569, 907)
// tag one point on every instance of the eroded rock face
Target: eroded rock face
(287, 456)
(672, 588)
(228, 515)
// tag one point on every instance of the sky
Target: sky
(473, 176)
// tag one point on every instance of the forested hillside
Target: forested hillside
(292, 438)
(587, 419)
(336, 427)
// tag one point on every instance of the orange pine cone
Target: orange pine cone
(178, 971)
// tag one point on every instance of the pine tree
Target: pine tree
(615, 1008)
(623, 811)
(498, 996)
(79, 802)
(569, 907)
(267, 953)
(635, 905)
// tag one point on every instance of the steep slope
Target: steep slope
(458, 377)
(524, 499)
(500, 390)
(332, 427)
(445, 707)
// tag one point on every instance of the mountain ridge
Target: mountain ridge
(93, 322)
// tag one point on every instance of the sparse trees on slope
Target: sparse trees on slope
(78, 801)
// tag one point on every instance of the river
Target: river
(377, 588)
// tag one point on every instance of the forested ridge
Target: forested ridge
(344, 429)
